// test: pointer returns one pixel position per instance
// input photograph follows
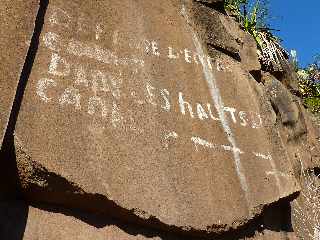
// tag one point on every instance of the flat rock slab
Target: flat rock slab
(124, 104)
(20, 221)
(16, 29)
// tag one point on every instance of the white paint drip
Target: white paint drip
(215, 94)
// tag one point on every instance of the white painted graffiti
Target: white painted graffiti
(61, 18)
(110, 84)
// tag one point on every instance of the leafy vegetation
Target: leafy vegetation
(309, 84)
(253, 17)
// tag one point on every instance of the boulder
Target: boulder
(23, 222)
(16, 30)
(126, 113)
(223, 33)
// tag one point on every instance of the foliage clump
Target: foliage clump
(253, 16)
(309, 84)
(254, 20)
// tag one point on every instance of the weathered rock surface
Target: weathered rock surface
(146, 111)
(20, 221)
(222, 33)
(16, 29)
(125, 112)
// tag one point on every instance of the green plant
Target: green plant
(309, 85)
(234, 7)
(254, 20)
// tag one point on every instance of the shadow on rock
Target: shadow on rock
(13, 219)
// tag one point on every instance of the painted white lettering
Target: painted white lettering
(136, 99)
(71, 96)
(263, 156)
(172, 54)
(182, 105)
(232, 149)
(92, 51)
(151, 97)
(232, 112)
(60, 17)
(99, 31)
(83, 25)
(54, 68)
(116, 117)
(115, 37)
(116, 84)
(93, 103)
(256, 120)
(155, 48)
(165, 95)
(52, 41)
(195, 58)
(147, 46)
(199, 141)
(99, 82)
(201, 112)
(167, 136)
(42, 85)
(187, 56)
(81, 76)
(243, 118)
(210, 113)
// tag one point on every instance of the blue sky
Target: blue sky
(299, 25)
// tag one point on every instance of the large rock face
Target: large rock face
(147, 111)
(20, 221)
(125, 103)
(16, 29)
